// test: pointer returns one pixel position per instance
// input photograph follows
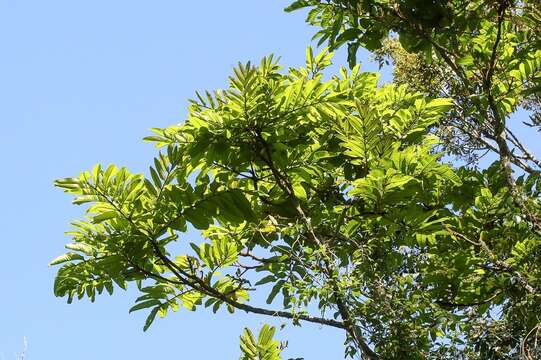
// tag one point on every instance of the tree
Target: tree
(333, 194)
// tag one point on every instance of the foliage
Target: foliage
(326, 193)
(332, 193)
(262, 348)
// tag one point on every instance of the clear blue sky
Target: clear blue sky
(81, 83)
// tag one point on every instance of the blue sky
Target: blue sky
(81, 83)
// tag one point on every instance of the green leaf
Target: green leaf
(348, 35)
(66, 257)
(150, 318)
(84, 248)
(243, 205)
(144, 305)
(197, 218)
(299, 4)
(266, 279)
(466, 60)
(104, 216)
(300, 192)
(275, 290)
(440, 105)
